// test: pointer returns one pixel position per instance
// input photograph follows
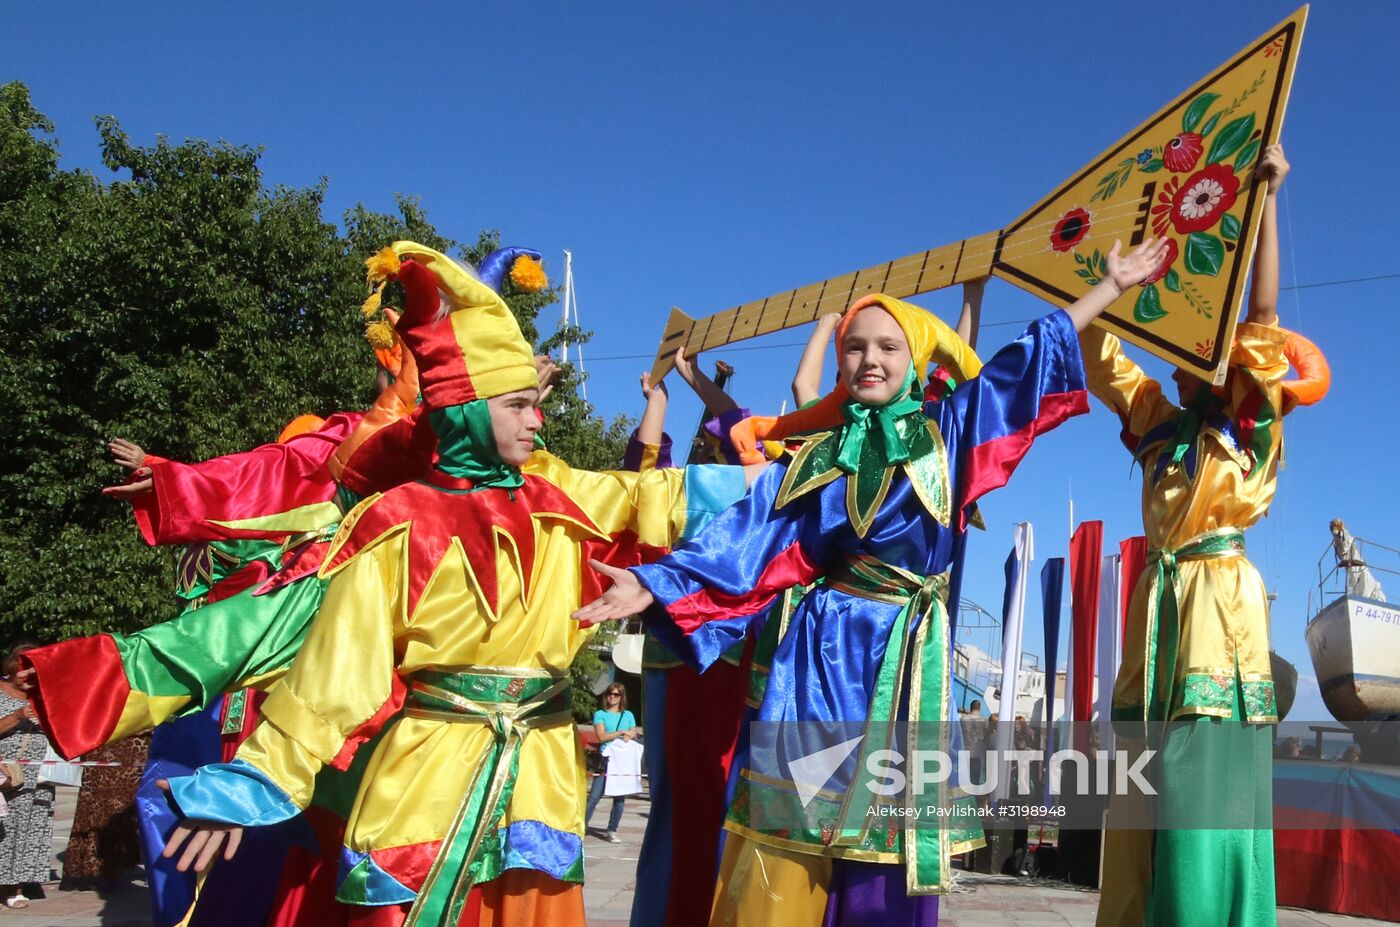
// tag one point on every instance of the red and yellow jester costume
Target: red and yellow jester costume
(461, 585)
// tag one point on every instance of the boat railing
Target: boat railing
(1332, 570)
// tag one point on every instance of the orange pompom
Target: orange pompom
(528, 274)
(301, 425)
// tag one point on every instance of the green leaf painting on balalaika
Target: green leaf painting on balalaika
(1204, 254)
(1197, 110)
(1148, 307)
(1231, 138)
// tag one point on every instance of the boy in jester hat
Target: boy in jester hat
(873, 503)
(456, 590)
(255, 526)
(253, 592)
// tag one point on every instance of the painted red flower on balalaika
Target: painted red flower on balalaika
(1071, 229)
(1181, 153)
(1204, 198)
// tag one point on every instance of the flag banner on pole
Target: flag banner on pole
(1133, 560)
(1013, 620)
(1084, 552)
(1110, 644)
(1052, 590)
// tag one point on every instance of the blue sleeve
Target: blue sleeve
(1030, 387)
(628, 721)
(709, 490)
(232, 793)
(713, 588)
(599, 717)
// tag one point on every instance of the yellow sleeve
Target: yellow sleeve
(1257, 363)
(1122, 385)
(651, 503)
(1254, 390)
(340, 679)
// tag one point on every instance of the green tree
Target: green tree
(187, 306)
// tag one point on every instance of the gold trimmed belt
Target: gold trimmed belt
(925, 651)
(511, 702)
(1163, 615)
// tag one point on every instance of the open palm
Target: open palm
(625, 598)
(1128, 270)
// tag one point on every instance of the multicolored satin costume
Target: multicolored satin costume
(468, 617)
(869, 646)
(1197, 644)
(258, 524)
(693, 721)
(253, 592)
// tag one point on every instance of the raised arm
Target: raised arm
(270, 491)
(652, 429)
(1124, 271)
(970, 319)
(717, 401)
(807, 382)
(1263, 292)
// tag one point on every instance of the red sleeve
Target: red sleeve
(188, 502)
(78, 718)
(398, 453)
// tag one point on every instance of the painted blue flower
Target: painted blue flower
(1145, 156)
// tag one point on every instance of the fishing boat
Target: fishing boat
(1354, 634)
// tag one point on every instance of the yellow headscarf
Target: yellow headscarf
(931, 341)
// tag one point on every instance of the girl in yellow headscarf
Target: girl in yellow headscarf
(873, 501)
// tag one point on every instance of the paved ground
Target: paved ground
(981, 901)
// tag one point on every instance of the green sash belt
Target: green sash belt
(925, 677)
(1164, 619)
(512, 702)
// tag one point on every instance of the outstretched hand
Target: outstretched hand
(201, 840)
(126, 453)
(653, 391)
(135, 488)
(626, 598)
(1126, 271)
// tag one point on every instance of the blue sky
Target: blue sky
(703, 155)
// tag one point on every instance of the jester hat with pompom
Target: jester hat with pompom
(464, 337)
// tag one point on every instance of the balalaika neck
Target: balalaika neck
(918, 273)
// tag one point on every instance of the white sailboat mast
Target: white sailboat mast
(570, 317)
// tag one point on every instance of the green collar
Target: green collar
(867, 449)
(467, 446)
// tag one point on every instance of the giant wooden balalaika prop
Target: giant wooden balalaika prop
(1186, 175)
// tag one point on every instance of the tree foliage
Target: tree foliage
(187, 306)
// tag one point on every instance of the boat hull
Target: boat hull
(1285, 684)
(1355, 648)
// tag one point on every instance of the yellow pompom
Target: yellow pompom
(371, 304)
(380, 335)
(528, 274)
(381, 266)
